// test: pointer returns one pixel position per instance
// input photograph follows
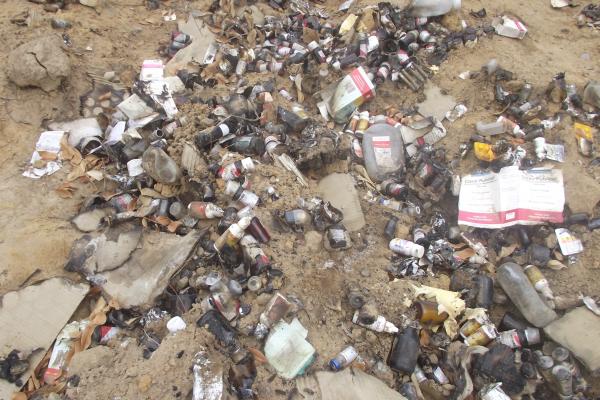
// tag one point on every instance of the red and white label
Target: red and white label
(363, 83)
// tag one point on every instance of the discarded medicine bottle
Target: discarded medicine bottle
(233, 234)
(337, 238)
(256, 228)
(405, 350)
(383, 151)
(539, 281)
(518, 288)
(254, 255)
(394, 189)
(204, 210)
(236, 169)
(343, 359)
(406, 248)
(428, 313)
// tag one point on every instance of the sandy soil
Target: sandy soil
(37, 234)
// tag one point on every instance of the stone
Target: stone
(39, 63)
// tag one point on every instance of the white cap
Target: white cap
(456, 4)
(176, 324)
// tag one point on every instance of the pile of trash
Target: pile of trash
(206, 160)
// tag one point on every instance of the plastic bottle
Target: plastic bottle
(233, 234)
(407, 248)
(160, 166)
(380, 324)
(517, 286)
(405, 350)
(432, 8)
(343, 358)
(383, 151)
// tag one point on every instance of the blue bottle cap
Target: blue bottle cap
(335, 365)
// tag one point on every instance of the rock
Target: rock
(39, 63)
(313, 240)
(144, 383)
(90, 359)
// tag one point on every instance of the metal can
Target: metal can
(469, 328)
(482, 337)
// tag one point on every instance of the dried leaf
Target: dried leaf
(556, 265)
(19, 396)
(173, 226)
(507, 251)
(66, 190)
(465, 253)
(77, 171)
(68, 152)
(162, 220)
(95, 175)
(298, 85)
(259, 357)
(251, 38)
(151, 193)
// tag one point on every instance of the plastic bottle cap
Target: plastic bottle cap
(335, 365)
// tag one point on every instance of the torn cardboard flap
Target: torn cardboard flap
(145, 275)
(32, 317)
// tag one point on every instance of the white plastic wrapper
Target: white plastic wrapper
(45, 160)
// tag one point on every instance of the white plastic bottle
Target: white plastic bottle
(407, 248)
(432, 8)
(383, 151)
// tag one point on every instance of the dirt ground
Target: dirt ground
(37, 234)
